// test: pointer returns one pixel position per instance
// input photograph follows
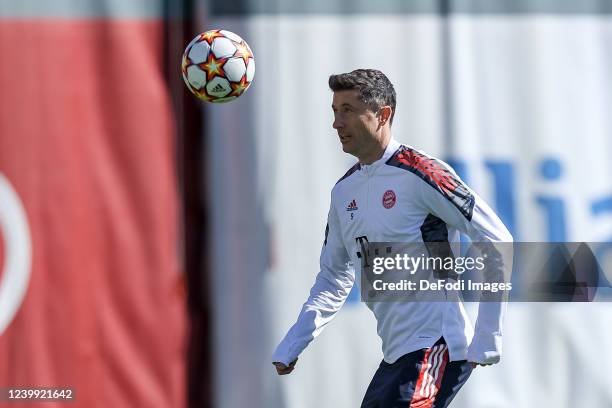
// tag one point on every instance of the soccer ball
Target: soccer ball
(218, 66)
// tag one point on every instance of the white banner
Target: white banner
(520, 104)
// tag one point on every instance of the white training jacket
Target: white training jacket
(393, 200)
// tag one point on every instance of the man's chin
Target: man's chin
(347, 149)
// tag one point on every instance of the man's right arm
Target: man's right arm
(330, 290)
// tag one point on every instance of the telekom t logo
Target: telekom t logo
(16, 254)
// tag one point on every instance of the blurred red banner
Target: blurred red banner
(87, 144)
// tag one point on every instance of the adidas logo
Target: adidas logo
(352, 206)
(218, 88)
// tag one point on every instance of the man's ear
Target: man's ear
(384, 115)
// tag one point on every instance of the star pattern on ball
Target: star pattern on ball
(243, 52)
(204, 96)
(212, 66)
(239, 87)
(209, 36)
(185, 63)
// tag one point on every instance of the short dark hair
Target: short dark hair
(375, 89)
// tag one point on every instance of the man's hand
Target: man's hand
(474, 364)
(282, 369)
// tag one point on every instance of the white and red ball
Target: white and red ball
(218, 66)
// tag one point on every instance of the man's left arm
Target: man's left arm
(451, 200)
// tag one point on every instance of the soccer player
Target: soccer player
(397, 194)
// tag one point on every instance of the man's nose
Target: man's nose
(338, 124)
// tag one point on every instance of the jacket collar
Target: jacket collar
(391, 148)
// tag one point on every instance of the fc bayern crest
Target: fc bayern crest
(389, 199)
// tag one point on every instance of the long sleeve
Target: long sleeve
(330, 290)
(453, 202)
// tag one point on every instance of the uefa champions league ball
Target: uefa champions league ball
(218, 66)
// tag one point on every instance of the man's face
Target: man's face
(356, 124)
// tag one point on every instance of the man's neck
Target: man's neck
(377, 152)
